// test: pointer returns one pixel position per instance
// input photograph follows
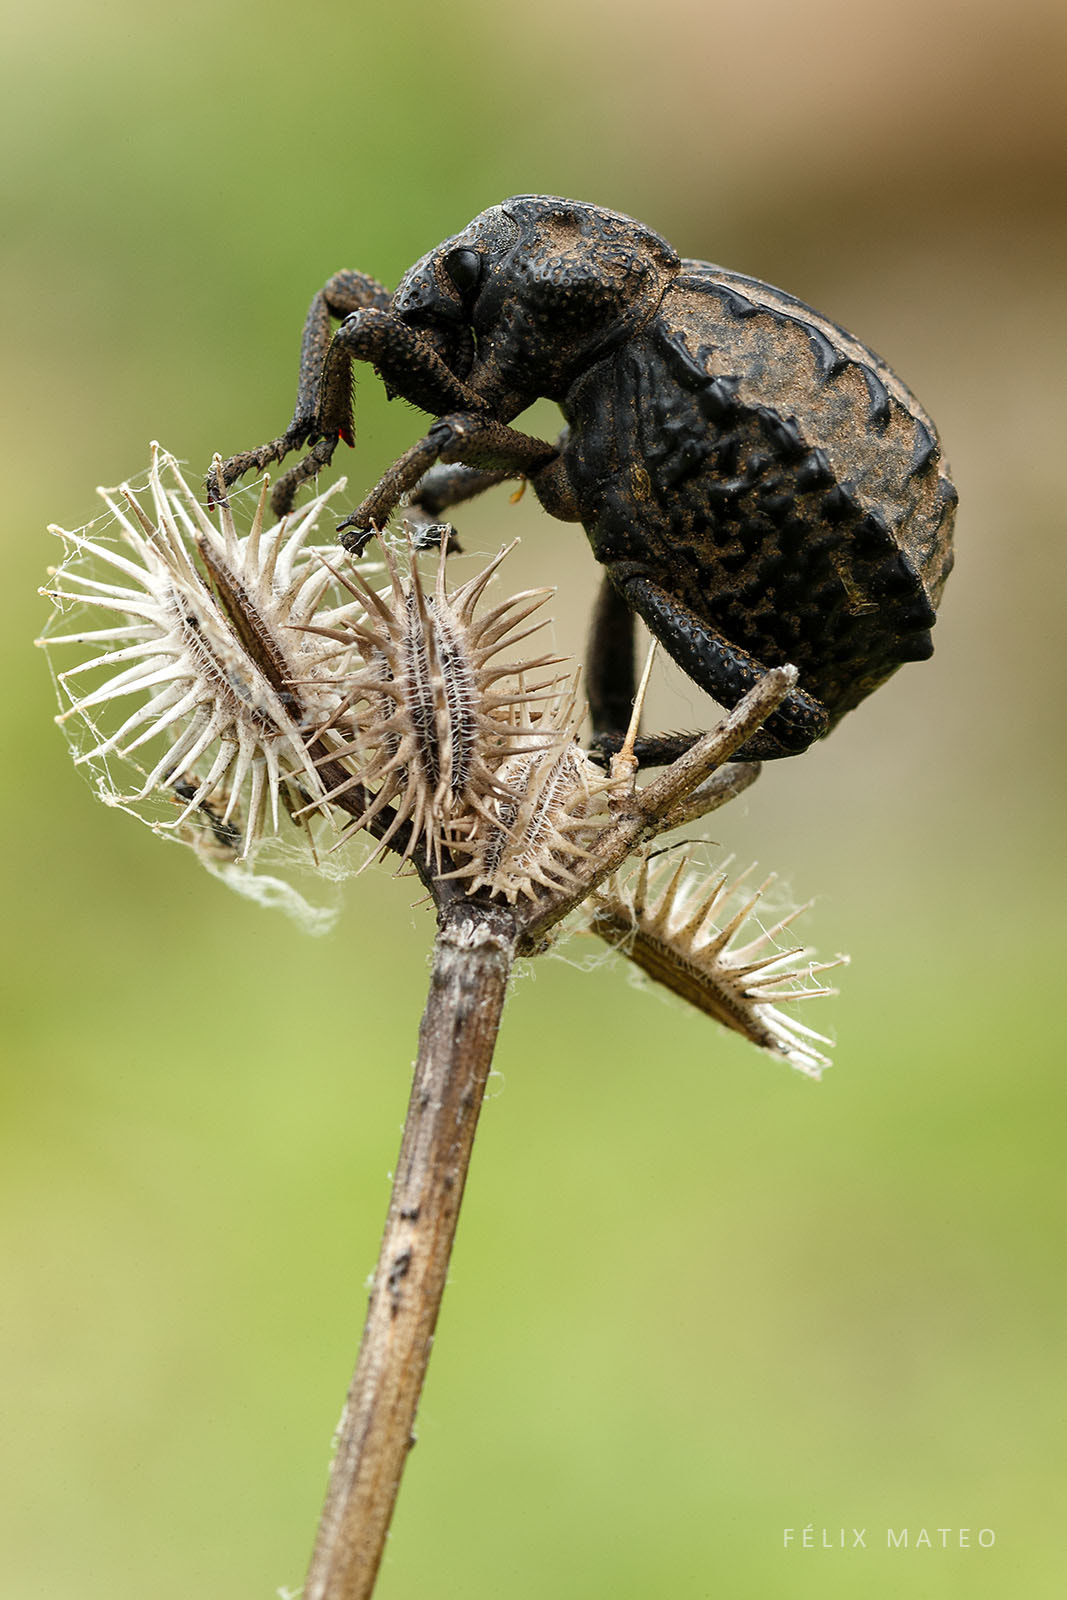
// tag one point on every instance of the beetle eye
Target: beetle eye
(464, 267)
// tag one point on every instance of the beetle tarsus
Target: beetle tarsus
(355, 540)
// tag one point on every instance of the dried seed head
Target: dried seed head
(206, 639)
(428, 722)
(681, 928)
(528, 838)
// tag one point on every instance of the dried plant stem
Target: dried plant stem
(472, 962)
(477, 941)
(454, 759)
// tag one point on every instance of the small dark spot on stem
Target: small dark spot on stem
(397, 1273)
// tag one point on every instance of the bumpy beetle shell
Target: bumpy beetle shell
(726, 441)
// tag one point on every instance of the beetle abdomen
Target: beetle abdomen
(776, 477)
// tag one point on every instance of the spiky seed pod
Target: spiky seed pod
(528, 839)
(428, 722)
(681, 929)
(209, 642)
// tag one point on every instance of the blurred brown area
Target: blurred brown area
(822, 109)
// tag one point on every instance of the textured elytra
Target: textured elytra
(682, 929)
(796, 507)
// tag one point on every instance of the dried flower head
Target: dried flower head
(273, 687)
(207, 642)
(430, 716)
(554, 803)
(681, 928)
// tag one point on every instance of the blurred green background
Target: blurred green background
(696, 1300)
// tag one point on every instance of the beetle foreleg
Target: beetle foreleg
(345, 293)
(407, 364)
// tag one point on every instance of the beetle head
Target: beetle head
(534, 291)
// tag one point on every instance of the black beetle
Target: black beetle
(760, 487)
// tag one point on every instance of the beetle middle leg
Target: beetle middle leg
(446, 486)
(436, 492)
(611, 664)
(721, 669)
(468, 438)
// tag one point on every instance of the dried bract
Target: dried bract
(681, 928)
(430, 719)
(260, 684)
(528, 838)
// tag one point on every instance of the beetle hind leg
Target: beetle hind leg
(720, 668)
(611, 685)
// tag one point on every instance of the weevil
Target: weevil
(759, 486)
